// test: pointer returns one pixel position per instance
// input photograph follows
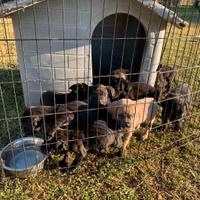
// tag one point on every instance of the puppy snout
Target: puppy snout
(125, 124)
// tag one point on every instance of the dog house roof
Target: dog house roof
(11, 6)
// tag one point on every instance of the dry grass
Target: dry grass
(164, 167)
(8, 54)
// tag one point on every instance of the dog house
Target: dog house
(63, 42)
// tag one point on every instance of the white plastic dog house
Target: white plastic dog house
(60, 42)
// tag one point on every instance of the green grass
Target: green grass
(164, 167)
(188, 13)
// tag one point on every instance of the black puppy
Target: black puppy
(79, 92)
(136, 90)
(132, 90)
(117, 76)
(176, 106)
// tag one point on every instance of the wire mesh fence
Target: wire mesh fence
(85, 75)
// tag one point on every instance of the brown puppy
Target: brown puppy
(119, 74)
(132, 90)
(131, 114)
(65, 114)
(136, 90)
(79, 91)
(33, 118)
(119, 81)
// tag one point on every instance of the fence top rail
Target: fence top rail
(163, 12)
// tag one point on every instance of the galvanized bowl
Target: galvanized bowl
(23, 157)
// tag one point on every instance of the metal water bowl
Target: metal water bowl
(23, 157)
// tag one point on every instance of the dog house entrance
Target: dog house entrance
(117, 42)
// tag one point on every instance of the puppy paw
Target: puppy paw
(144, 137)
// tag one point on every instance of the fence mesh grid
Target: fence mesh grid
(52, 45)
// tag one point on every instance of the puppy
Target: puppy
(132, 90)
(50, 98)
(165, 76)
(137, 90)
(131, 114)
(101, 96)
(176, 106)
(118, 76)
(119, 81)
(66, 140)
(79, 91)
(65, 114)
(32, 118)
(102, 137)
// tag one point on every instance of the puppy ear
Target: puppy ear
(159, 66)
(84, 85)
(111, 91)
(104, 101)
(73, 87)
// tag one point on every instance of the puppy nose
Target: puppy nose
(125, 125)
(128, 125)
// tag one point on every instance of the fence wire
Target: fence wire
(52, 46)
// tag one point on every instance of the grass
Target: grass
(164, 167)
